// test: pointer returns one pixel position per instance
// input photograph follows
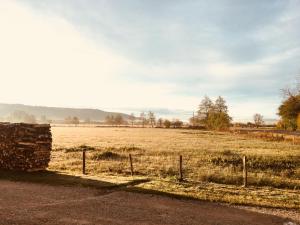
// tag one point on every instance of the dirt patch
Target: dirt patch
(27, 203)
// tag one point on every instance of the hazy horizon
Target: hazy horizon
(149, 55)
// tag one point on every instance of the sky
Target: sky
(137, 55)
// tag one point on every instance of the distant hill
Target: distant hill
(56, 113)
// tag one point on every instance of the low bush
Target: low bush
(80, 148)
(276, 164)
(221, 178)
(107, 155)
(257, 163)
(226, 161)
(124, 149)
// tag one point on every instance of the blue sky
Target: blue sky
(150, 55)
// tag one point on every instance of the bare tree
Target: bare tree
(293, 89)
(205, 108)
(75, 120)
(151, 118)
(119, 119)
(220, 105)
(109, 119)
(143, 118)
(167, 123)
(176, 123)
(160, 122)
(131, 118)
(21, 116)
(258, 120)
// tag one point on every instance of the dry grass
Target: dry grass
(210, 158)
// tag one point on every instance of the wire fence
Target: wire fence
(234, 170)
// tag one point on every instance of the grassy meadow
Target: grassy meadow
(212, 162)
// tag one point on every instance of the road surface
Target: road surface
(31, 203)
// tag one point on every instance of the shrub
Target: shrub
(123, 148)
(225, 161)
(79, 148)
(107, 155)
(130, 149)
(275, 164)
(222, 177)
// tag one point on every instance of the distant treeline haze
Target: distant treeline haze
(212, 115)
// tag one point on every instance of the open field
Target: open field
(211, 160)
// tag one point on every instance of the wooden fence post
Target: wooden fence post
(180, 168)
(131, 165)
(245, 175)
(83, 161)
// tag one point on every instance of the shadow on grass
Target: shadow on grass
(55, 178)
(58, 179)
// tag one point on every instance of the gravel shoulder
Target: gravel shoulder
(30, 203)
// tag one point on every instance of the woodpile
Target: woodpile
(25, 147)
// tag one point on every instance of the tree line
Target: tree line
(212, 115)
(144, 120)
(19, 116)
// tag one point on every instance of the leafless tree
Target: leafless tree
(131, 118)
(160, 122)
(151, 118)
(143, 118)
(258, 120)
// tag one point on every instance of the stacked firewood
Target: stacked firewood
(25, 147)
